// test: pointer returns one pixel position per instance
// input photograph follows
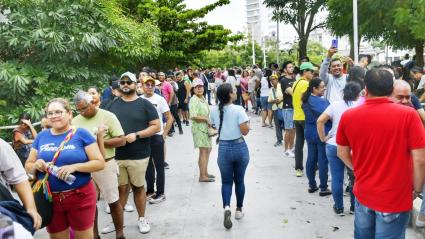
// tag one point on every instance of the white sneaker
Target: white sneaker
(128, 207)
(144, 225)
(108, 229)
(107, 209)
(239, 215)
(290, 154)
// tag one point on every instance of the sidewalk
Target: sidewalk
(277, 204)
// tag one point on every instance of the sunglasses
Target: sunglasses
(123, 82)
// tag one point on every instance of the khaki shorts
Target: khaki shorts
(133, 172)
(107, 181)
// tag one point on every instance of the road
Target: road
(277, 204)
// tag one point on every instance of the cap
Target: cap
(161, 73)
(148, 78)
(157, 82)
(130, 76)
(197, 82)
(417, 69)
(307, 66)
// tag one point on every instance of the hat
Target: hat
(197, 82)
(157, 82)
(148, 78)
(130, 76)
(307, 66)
(417, 69)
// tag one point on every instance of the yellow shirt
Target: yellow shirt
(300, 87)
(276, 93)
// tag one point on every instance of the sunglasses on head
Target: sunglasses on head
(128, 82)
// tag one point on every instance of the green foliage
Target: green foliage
(49, 50)
(301, 14)
(397, 23)
(183, 35)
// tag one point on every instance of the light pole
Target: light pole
(277, 38)
(264, 51)
(253, 43)
(356, 32)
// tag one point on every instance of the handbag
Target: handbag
(245, 96)
(279, 110)
(212, 132)
(41, 188)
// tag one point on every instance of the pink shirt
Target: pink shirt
(166, 90)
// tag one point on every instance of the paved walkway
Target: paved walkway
(277, 204)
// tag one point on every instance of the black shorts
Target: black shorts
(183, 106)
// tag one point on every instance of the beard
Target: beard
(128, 91)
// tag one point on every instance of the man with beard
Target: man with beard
(335, 81)
(139, 120)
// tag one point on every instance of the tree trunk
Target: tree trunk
(419, 50)
(302, 48)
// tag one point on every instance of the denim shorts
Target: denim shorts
(265, 105)
(288, 118)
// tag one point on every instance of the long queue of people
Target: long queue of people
(116, 144)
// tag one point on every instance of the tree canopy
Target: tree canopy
(301, 14)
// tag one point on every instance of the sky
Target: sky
(232, 16)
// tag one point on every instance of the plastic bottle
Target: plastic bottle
(54, 171)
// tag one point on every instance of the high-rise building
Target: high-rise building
(254, 19)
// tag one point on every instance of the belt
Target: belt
(240, 140)
(109, 159)
(65, 194)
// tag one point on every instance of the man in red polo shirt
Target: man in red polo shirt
(384, 143)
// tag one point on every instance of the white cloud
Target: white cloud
(232, 16)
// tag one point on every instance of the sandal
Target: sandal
(209, 180)
(211, 176)
(264, 125)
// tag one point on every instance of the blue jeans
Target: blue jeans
(370, 224)
(233, 158)
(337, 172)
(316, 155)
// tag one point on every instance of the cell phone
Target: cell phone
(334, 43)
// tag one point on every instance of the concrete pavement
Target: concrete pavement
(277, 204)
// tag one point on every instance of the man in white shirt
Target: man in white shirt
(335, 80)
(156, 160)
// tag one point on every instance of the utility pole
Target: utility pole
(253, 43)
(356, 33)
(264, 51)
(277, 38)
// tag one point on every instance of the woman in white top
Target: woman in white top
(334, 112)
(264, 95)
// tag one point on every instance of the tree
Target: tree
(49, 50)
(301, 15)
(397, 23)
(183, 36)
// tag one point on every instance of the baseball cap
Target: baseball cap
(115, 85)
(148, 78)
(130, 76)
(417, 69)
(197, 82)
(307, 66)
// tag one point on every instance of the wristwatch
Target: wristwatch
(138, 136)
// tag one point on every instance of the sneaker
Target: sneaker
(157, 199)
(339, 211)
(278, 143)
(352, 210)
(239, 215)
(166, 165)
(325, 193)
(313, 190)
(170, 134)
(108, 229)
(107, 209)
(149, 196)
(299, 173)
(180, 131)
(420, 221)
(227, 219)
(289, 154)
(187, 122)
(144, 225)
(128, 208)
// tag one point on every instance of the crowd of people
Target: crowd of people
(357, 120)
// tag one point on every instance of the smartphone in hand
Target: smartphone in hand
(334, 43)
